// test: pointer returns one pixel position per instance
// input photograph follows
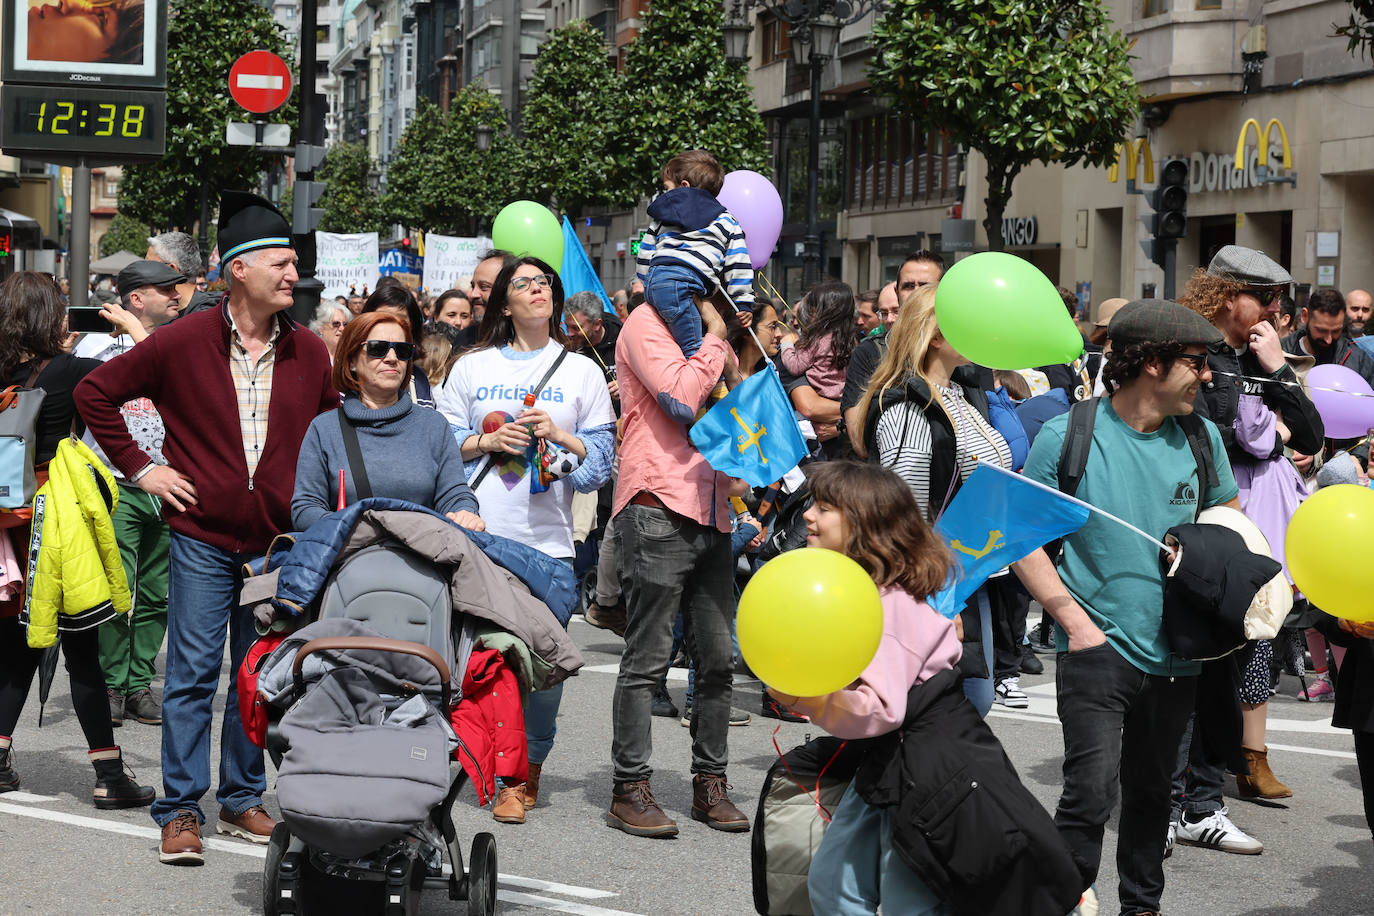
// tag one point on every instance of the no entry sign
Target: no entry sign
(260, 81)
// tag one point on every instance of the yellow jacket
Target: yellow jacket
(73, 561)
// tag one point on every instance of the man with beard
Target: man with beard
(1358, 307)
(1324, 335)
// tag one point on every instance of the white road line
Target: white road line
(561, 906)
(28, 797)
(1344, 755)
(260, 852)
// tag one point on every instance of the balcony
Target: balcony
(1186, 50)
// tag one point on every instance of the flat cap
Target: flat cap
(1106, 310)
(147, 273)
(1160, 321)
(1248, 266)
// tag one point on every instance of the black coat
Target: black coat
(1219, 399)
(1354, 708)
(965, 823)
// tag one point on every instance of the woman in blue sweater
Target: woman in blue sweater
(408, 453)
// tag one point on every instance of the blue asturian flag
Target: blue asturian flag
(576, 270)
(995, 519)
(751, 432)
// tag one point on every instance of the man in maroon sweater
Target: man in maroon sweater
(236, 386)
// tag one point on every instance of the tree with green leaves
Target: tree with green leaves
(571, 120)
(681, 93)
(439, 181)
(1359, 31)
(1020, 81)
(124, 234)
(204, 38)
(350, 202)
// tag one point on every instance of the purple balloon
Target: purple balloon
(1344, 400)
(755, 203)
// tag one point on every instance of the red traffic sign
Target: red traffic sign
(260, 81)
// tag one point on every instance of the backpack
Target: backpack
(1078, 444)
(19, 409)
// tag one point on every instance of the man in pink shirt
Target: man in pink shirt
(672, 529)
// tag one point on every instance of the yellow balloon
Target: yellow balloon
(1317, 548)
(809, 622)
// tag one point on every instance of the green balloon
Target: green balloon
(1000, 311)
(524, 227)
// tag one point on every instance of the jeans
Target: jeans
(855, 868)
(541, 714)
(669, 289)
(202, 603)
(1197, 779)
(675, 565)
(608, 570)
(1122, 729)
(129, 645)
(979, 690)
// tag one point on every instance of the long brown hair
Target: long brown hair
(497, 329)
(351, 340)
(31, 312)
(887, 532)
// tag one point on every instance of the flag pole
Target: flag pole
(1073, 499)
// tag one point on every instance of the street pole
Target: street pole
(1170, 267)
(310, 130)
(79, 256)
(811, 245)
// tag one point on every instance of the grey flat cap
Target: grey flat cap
(1160, 321)
(147, 273)
(1248, 266)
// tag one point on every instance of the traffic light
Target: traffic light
(1169, 201)
(305, 216)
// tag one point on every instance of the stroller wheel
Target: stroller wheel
(272, 881)
(482, 876)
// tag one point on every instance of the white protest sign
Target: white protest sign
(448, 257)
(346, 260)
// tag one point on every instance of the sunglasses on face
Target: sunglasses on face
(520, 284)
(1197, 360)
(1263, 296)
(377, 349)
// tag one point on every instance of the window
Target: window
(777, 39)
(894, 163)
(531, 34)
(486, 51)
(1209, 4)
(321, 34)
(1150, 8)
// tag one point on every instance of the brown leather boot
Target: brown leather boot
(1261, 783)
(634, 810)
(532, 786)
(712, 806)
(510, 804)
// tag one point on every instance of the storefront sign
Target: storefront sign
(1020, 230)
(1208, 172)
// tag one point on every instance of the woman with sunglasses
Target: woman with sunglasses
(409, 452)
(522, 357)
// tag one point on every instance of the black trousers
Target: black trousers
(1364, 757)
(19, 663)
(1010, 604)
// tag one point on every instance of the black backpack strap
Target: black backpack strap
(355, 457)
(491, 458)
(1078, 443)
(1201, 444)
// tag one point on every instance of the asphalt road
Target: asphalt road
(58, 854)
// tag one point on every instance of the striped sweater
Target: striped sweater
(689, 226)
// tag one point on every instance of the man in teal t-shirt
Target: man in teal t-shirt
(1123, 699)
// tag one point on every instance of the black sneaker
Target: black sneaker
(663, 704)
(9, 779)
(1030, 664)
(116, 706)
(772, 709)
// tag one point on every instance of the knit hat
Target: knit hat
(248, 222)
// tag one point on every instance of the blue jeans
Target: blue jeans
(1122, 729)
(670, 564)
(855, 868)
(541, 714)
(669, 290)
(980, 690)
(202, 602)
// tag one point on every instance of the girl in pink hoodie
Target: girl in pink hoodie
(867, 513)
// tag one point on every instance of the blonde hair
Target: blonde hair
(908, 346)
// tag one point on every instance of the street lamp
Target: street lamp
(483, 133)
(815, 37)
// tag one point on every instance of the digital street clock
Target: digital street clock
(113, 125)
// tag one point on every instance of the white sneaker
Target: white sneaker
(1009, 693)
(1217, 832)
(1087, 904)
(1169, 840)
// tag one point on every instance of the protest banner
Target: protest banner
(448, 258)
(346, 261)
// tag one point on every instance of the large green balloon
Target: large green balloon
(1000, 311)
(524, 227)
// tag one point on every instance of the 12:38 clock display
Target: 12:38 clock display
(99, 122)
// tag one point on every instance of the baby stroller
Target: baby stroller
(364, 751)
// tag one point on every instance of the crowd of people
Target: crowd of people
(562, 424)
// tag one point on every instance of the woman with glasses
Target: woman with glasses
(329, 322)
(536, 424)
(408, 452)
(392, 296)
(768, 331)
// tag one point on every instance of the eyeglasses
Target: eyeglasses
(1263, 296)
(520, 284)
(337, 324)
(378, 349)
(773, 326)
(1197, 360)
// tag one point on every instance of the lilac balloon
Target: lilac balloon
(755, 203)
(1344, 400)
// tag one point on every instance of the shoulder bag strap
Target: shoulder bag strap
(491, 458)
(355, 456)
